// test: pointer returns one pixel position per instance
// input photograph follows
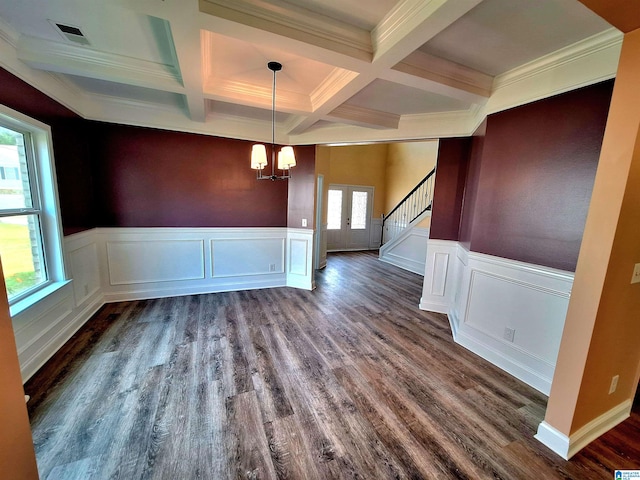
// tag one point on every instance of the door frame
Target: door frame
(348, 188)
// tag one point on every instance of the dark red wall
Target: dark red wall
(119, 176)
(302, 188)
(451, 172)
(70, 146)
(154, 178)
(536, 175)
(471, 184)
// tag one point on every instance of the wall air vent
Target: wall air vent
(71, 33)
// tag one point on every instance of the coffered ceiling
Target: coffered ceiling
(352, 71)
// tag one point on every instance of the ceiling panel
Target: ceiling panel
(499, 35)
(390, 97)
(108, 28)
(245, 62)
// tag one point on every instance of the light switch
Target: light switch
(304, 222)
(636, 274)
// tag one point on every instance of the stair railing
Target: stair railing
(410, 207)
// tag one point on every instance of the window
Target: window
(359, 210)
(30, 241)
(334, 210)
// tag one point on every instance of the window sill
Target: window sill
(27, 302)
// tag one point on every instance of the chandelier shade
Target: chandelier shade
(258, 157)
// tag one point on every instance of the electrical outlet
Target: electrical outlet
(635, 278)
(272, 267)
(509, 334)
(614, 384)
(304, 222)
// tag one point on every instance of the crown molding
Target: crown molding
(8, 34)
(292, 21)
(335, 82)
(226, 90)
(365, 117)
(87, 62)
(583, 63)
(606, 40)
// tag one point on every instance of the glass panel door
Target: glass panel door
(349, 210)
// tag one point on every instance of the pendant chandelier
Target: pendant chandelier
(286, 157)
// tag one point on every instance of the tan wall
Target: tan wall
(407, 164)
(357, 165)
(17, 457)
(601, 336)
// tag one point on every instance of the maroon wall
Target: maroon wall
(536, 175)
(451, 171)
(70, 147)
(302, 188)
(119, 176)
(471, 184)
(154, 178)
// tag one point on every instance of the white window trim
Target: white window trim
(51, 223)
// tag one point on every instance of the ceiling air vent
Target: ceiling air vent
(71, 33)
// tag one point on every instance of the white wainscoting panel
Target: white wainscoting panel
(234, 257)
(300, 259)
(408, 250)
(321, 248)
(154, 261)
(488, 297)
(187, 261)
(536, 329)
(439, 280)
(375, 235)
(43, 328)
(85, 270)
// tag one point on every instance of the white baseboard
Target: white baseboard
(567, 447)
(553, 439)
(431, 306)
(177, 291)
(526, 372)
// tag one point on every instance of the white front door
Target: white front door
(349, 217)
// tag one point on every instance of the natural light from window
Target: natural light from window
(20, 237)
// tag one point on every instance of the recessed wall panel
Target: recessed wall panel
(239, 257)
(155, 261)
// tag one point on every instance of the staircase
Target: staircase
(403, 244)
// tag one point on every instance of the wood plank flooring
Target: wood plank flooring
(350, 381)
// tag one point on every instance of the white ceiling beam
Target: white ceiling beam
(189, 49)
(364, 117)
(411, 24)
(405, 29)
(433, 74)
(295, 23)
(86, 62)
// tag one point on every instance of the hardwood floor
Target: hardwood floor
(351, 380)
